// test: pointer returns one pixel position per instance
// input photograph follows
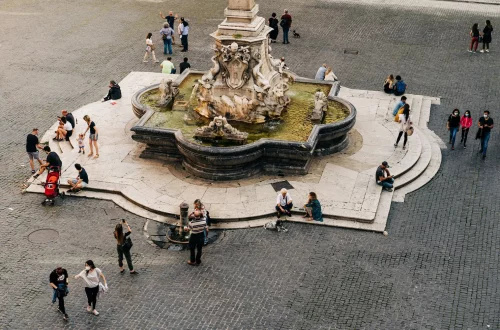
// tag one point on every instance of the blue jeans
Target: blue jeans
(484, 142)
(54, 296)
(453, 135)
(285, 34)
(167, 46)
(386, 184)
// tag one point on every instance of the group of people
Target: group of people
(312, 207)
(285, 22)
(325, 73)
(395, 86)
(455, 122)
(478, 36)
(168, 66)
(93, 277)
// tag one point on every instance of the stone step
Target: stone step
(411, 154)
(428, 174)
(425, 112)
(421, 164)
(415, 109)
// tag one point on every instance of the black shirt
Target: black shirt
(53, 159)
(92, 127)
(71, 119)
(454, 121)
(184, 65)
(59, 279)
(380, 173)
(31, 143)
(83, 175)
(115, 93)
(483, 121)
(170, 21)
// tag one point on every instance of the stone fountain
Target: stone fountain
(245, 88)
(245, 83)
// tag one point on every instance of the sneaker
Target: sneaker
(145, 61)
(157, 61)
(474, 52)
(484, 156)
(95, 312)
(395, 145)
(388, 189)
(35, 176)
(191, 263)
(487, 50)
(465, 147)
(470, 51)
(134, 272)
(80, 151)
(89, 309)
(33, 171)
(65, 317)
(480, 151)
(84, 152)
(481, 51)
(404, 147)
(452, 148)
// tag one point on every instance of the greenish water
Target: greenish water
(294, 124)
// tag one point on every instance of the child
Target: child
(81, 145)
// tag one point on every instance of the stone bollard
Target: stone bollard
(184, 215)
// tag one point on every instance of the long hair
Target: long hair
(149, 35)
(198, 201)
(86, 118)
(119, 233)
(406, 111)
(313, 195)
(91, 264)
(488, 24)
(475, 28)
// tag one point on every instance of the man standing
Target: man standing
(399, 105)
(58, 280)
(81, 181)
(52, 160)
(320, 75)
(284, 203)
(383, 177)
(167, 35)
(485, 124)
(167, 66)
(32, 146)
(184, 65)
(170, 18)
(286, 23)
(197, 225)
(184, 31)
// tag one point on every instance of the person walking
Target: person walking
(123, 246)
(286, 23)
(474, 35)
(404, 121)
(92, 277)
(197, 225)
(488, 29)
(313, 208)
(389, 84)
(58, 281)
(320, 74)
(92, 137)
(273, 23)
(150, 49)
(485, 125)
(184, 28)
(184, 65)
(399, 105)
(167, 35)
(466, 123)
(453, 125)
(383, 177)
(32, 146)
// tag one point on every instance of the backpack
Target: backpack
(400, 86)
(164, 36)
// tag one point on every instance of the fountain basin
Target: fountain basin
(269, 155)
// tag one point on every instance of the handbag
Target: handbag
(479, 133)
(153, 47)
(409, 131)
(127, 243)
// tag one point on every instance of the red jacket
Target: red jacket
(288, 20)
(466, 122)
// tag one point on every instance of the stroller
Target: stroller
(52, 185)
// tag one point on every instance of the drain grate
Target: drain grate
(281, 184)
(43, 236)
(351, 51)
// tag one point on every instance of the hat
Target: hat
(386, 164)
(283, 191)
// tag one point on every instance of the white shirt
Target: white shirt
(283, 200)
(92, 279)
(68, 126)
(149, 42)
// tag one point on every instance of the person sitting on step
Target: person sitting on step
(284, 203)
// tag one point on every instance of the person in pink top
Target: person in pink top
(466, 123)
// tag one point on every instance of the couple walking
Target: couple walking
(285, 23)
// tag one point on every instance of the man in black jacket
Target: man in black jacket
(59, 282)
(114, 93)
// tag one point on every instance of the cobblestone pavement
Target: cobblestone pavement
(437, 269)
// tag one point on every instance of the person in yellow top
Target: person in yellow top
(167, 66)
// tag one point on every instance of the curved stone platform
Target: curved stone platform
(344, 182)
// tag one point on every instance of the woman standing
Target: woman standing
(313, 208)
(273, 22)
(91, 276)
(150, 49)
(487, 37)
(404, 120)
(92, 137)
(123, 247)
(474, 34)
(453, 125)
(466, 123)
(389, 84)
(198, 206)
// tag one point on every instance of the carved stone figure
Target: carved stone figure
(220, 129)
(167, 92)
(320, 105)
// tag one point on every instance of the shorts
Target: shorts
(93, 137)
(34, 155)
(84, 184)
